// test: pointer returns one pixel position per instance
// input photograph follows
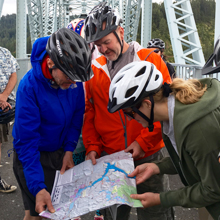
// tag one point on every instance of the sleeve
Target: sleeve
(166, 166)
(202, 146)
(26, 139)
(91, 138)
(73, 134)
(14, 64)
(148, 140)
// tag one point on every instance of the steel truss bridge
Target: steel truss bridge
(46, 16)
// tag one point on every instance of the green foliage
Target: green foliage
(8, 34)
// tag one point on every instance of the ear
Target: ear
(50, 63)
(147, 103)
(121, 32)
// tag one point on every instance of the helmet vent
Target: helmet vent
(131, 91)
(73, 48)
(106, 9)
(96, 15)
(141, 71)
(104, 24)
(114, 20)
(79, 62)
(67, 37)
(79, 44)
(84, 57)
(119, 79)
(93, 31)
(87, 31)
(156, 77)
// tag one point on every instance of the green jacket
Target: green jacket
(197, 135)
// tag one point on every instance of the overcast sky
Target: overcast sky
(9, 6)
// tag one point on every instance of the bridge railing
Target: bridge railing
(182, 71)
(187, 71)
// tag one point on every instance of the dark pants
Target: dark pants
(156, 184)
(50, 161)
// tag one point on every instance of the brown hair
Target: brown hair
(186, 91)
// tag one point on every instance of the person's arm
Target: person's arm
(202, 149)
(26, 138)
(74, 130)
(10, 86)
(91, 138)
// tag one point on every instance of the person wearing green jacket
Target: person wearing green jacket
(189, 111)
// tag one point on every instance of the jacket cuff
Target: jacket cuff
(171, 198)
(166, 166)
(94, 148)
(38, 189)
(142, 143)
(69, 148)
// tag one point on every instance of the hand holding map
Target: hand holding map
(86, 187)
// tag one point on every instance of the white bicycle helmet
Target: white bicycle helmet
(132, 83)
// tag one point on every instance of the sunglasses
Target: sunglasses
(132, 112)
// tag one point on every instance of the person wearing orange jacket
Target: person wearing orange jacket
(104, 133)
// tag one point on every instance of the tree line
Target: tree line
(203, 10)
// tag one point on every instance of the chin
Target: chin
(65, 87)
(145, 125)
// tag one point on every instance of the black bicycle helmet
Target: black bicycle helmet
(94, 22)
(208, 67)
(71, 54)
(6, 117)
(156, 43)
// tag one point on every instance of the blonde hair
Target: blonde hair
(186, 91)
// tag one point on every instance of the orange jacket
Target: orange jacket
(103, 131)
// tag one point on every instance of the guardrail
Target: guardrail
(187, 71)
(182, 71)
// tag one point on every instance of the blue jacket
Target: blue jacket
(46, 118)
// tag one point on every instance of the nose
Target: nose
(102, 49)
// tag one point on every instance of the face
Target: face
(131, 114)
(62, 80)
(109, 46)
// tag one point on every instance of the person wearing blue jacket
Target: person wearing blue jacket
(49, 115)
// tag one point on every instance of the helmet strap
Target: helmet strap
(149, 120)
(122, 45)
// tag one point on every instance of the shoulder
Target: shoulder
(146, 53)
(99, 62)
(5, 51)
(28, 82)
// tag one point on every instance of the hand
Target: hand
(147, 199)
(67, 162)
(3, 98)
(92, 155)
(144, 172)
(136, 150)
(43, 199)
(5, 106)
